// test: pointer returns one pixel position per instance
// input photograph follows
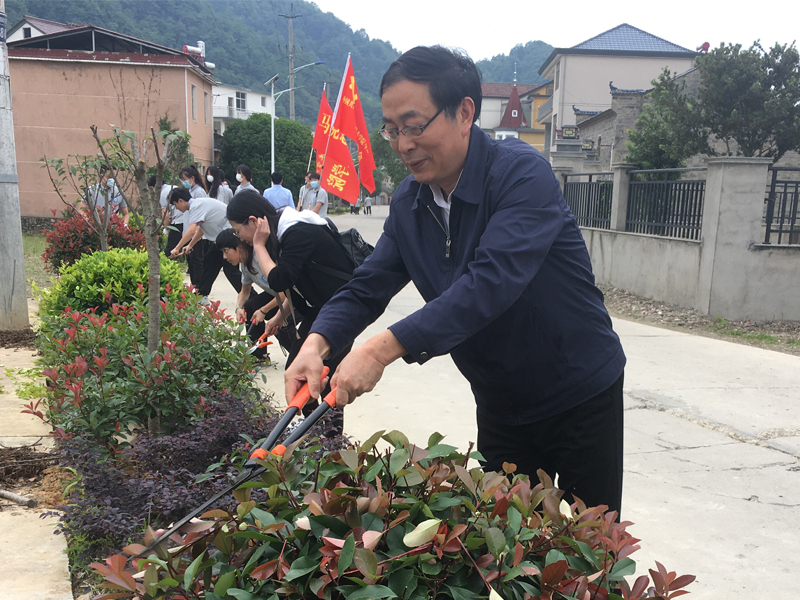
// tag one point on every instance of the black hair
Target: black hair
(191, 171)
(218, 175)
(227, 239)
(245, 171)
(249, 203)
(313, 176)
(450, 74)
(276, 178)
(179, 193)
(152, 181)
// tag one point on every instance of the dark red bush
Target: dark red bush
(72, 237)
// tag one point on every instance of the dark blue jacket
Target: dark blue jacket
(514, 304)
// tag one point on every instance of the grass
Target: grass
(33, 247)
(722, 327)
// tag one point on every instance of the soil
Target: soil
(21, 338)
(30, 472)
(781, 336)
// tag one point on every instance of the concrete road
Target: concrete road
(712, 441)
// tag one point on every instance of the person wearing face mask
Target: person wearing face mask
(215, 178)
(317, 198)
(106, 192)
(192, 181)
(243, 176)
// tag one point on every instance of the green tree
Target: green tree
(247, 142)
(386, 160)
(669, 129)
(750, 99)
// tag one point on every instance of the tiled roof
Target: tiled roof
(578, 111)
(47, 27)
(509, 119)
(503, 90)
(630, 39)
(102, 57)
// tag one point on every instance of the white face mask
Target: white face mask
(210, 178)
(239, 177)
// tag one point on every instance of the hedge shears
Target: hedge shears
(260, 343)
(251, 468)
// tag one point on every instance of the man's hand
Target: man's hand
(241, 315)
(307, 367)
(187, 250)
(357, 374)
(257, 317)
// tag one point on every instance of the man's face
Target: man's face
(182, 205)
(438, 155)
(231, 255)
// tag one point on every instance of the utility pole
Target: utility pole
(291, 16)
(13, 302)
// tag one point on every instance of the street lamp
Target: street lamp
(292, 71)
(271, 83)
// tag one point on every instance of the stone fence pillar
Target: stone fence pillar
(619, 195)
(559, 172)
(732, 212)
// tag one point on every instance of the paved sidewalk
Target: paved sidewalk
(34, 561)
(712, 471)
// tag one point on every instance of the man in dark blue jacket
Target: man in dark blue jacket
(482, 229)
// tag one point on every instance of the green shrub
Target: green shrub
(103, 383)
(102, 279)
(408, 523)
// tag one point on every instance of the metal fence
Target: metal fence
(669, 207)
(590, 201)
(781, 217)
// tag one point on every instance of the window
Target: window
(26, 32)
(263, 101)
(241, 100)
(194, 102)
(514, 113)
(558, 75)
(205, 106)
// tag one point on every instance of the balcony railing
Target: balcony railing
(229, 112)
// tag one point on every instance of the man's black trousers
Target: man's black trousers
(213, 261)
(582, 445)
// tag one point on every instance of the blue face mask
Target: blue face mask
(187, 184)
(314, 184)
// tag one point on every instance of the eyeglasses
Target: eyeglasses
(411, 131)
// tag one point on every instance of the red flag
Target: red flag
(338, 175)
(322, 130)
(349, 119)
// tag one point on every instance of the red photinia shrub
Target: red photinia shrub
(72, 237)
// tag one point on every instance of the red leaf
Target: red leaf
(554, 573)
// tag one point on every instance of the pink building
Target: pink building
(74, 76)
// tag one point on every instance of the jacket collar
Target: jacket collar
(470, 183)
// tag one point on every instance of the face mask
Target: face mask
(210, 178)
(239, 177)
(187, 184)
(314, 184)
(225, 185)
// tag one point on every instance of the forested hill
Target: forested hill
(527, 58)
(247, 41)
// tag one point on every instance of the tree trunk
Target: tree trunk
(151, 210)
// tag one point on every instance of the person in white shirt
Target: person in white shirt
(216, 189)
(106, 192)
(244, 176)
(317, 198)
(206, 219)
(301, 195)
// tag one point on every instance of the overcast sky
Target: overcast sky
(486, 28)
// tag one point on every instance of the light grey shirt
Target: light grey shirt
(314, 197)
(176, 217)
(258, 278)
(101, 195)
(209, 214)
(224, 194)
(245, 186)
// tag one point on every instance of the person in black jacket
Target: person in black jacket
(295, 250)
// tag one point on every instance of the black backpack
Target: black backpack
(354, 246)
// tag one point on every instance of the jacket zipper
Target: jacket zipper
(446, 233)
